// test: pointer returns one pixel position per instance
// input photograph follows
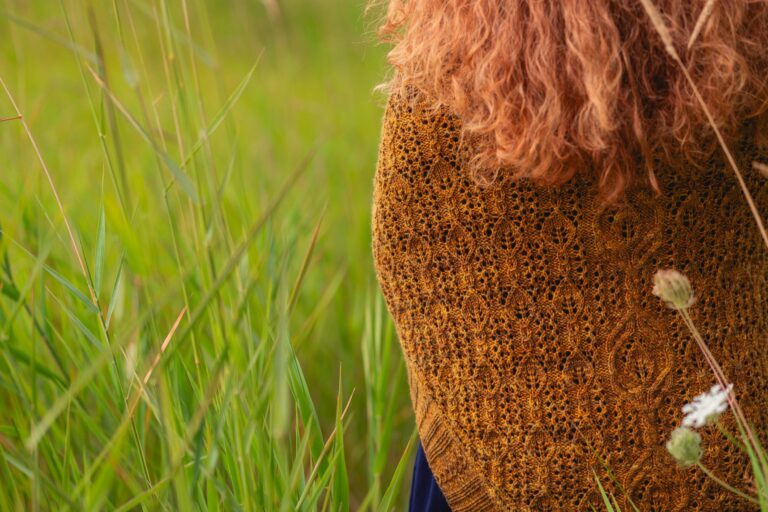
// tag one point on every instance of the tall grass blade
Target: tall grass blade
(239, 251)
(221, 114)
(607, 502)
(341, 479)
(98, 271)
(393, 489)
(47, 34)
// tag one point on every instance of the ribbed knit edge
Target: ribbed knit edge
(456, 474)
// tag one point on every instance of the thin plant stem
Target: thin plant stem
(661, 28)
(78, 255)
(720, 376)
(726, 485)
(729, 156)
(710, 358)
(730, 436)
(663, 31)
(39, 154)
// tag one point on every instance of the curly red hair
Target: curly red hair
(548, 87)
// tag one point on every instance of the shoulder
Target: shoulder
(419, 163)
(421, 155)
(416, 132)
(414, 185)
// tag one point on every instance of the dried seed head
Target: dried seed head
(685, 446)
(673, 288)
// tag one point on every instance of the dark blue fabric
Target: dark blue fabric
(426, 496)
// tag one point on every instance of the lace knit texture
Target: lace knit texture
(530, 333)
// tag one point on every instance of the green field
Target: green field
(188, 303)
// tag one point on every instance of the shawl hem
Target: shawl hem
(455, 473)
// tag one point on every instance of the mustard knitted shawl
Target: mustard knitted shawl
(533, 344)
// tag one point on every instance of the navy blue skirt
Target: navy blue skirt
(426, 496)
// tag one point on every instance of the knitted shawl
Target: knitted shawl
(536, 352)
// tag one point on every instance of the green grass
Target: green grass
(214, 162)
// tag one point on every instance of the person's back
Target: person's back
(533, 343)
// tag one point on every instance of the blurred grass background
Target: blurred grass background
(169, 130)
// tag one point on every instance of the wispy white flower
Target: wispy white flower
(685, 446)
(706, 407)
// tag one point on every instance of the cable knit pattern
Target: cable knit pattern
(532, 340)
